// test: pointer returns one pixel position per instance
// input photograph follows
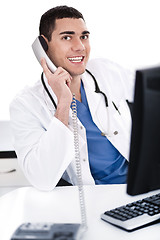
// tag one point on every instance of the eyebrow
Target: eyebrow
(72, 32)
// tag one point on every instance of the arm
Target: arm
(44, 154)
(44, 150)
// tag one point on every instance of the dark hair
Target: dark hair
(47, 22)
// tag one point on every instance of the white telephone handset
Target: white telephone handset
(40, 48)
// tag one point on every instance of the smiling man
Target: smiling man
(68, 49)
(69, 45)
(41, 115)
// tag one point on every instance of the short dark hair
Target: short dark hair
(47, 22)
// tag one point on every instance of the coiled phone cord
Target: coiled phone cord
(78, 164)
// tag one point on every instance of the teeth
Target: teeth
(75, 59)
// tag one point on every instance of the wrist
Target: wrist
(62, 112)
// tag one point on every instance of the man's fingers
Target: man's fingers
(60, 75)
(45, 67)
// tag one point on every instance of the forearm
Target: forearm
(62, 113)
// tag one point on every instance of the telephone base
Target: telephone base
(48, 231)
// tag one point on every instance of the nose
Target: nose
(77, 45)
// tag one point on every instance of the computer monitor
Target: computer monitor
(144, 159)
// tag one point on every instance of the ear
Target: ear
(45, 38)
(44, 42)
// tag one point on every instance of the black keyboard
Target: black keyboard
(135, 214)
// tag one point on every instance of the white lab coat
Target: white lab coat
(45, 146)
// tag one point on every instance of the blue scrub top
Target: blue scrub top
(107, 165)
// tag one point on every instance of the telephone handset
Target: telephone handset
(51, 231)
(40, 48)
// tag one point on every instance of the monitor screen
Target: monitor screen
(144, 159)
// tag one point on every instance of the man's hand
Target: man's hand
(60, 83)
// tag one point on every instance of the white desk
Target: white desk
(62, 206)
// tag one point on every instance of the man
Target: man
(43, 132)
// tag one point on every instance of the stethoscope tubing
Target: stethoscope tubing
(97, 89)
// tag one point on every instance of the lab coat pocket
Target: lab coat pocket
(120, 127)
(123, 117)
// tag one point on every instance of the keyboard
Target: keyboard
(136, 214)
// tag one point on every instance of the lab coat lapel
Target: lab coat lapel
(96, 103)
(92, 97)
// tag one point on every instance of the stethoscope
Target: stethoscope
(97, 89)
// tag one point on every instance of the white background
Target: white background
(125, 31)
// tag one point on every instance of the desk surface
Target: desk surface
(62, 206)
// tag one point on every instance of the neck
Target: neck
(75, 87)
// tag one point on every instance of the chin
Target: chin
(77, 72)
(74, 74)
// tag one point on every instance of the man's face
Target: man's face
(69, 46)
